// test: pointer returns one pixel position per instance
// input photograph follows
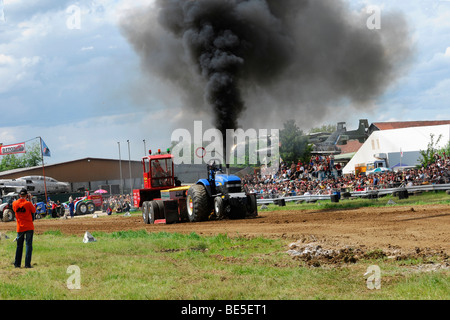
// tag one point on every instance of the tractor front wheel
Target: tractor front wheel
(219, 208)
(82, 208)
(197, 203)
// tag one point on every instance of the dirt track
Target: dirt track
(404, 227)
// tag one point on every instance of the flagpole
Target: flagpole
(401, 156)
(43, 173)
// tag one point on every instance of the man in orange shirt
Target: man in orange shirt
(24, 211)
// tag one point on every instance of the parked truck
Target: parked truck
(391, 161)
(380, 164)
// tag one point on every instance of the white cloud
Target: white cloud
(447, 52)
(441, 89)
(30, 61)
(16, 72)
(6, 136)
(6, 60)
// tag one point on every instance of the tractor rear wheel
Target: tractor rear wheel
(153, 212)
(90, 207)
(197, 203)
(160, 204)
(145, 212)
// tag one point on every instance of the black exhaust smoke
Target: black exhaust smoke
(289, 58)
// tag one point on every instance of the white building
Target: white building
(401, 146)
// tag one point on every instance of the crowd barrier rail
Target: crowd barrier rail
(369, 193)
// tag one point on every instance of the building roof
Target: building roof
(406, 124)
(351, 146)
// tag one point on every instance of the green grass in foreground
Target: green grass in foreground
(135, 265)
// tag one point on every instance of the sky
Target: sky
(70, 76)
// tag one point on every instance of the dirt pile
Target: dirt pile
(316, 254)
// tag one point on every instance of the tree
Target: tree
(445, 151)
(294, 144)
(330, 128)
(31, 158)
(427, 157)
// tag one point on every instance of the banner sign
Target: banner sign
(12, 149)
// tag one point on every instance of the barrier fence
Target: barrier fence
(369, 193)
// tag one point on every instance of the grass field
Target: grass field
(138, 265)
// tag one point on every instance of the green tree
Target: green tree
(294, 144)
(29, 159)
(330, 128)
(445, 151)
(427, 156)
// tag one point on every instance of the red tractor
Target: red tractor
(158, 177)
(164, 200)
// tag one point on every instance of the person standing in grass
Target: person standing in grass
(24, 211)
(71, 207)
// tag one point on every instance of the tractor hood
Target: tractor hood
(222, 179)
(228, 183)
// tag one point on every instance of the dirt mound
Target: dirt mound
(316, 254)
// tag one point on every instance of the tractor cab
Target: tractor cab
(158, 171)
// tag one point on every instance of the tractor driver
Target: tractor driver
(157, 172)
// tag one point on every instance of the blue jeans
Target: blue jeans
(28, 237)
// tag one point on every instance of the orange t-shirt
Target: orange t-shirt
(24, 210)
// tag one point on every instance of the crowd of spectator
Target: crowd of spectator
(322, 175)
(117, 203)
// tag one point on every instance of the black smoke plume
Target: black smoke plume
(266, 58)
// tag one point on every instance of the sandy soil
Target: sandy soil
(402, 227)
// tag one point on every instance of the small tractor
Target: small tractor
(6, 211)
(87, 204)
(164, 200)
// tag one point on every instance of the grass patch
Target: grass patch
(137, 265)
(56, 233)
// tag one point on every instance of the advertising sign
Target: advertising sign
(12, 148)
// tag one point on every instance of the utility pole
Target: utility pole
(120, 168)
(129, 165)
(43, 173)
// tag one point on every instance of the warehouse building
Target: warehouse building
(88, 174)
(109, 174)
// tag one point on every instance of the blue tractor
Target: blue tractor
(219, 196)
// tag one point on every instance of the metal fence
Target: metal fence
(367, 194)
